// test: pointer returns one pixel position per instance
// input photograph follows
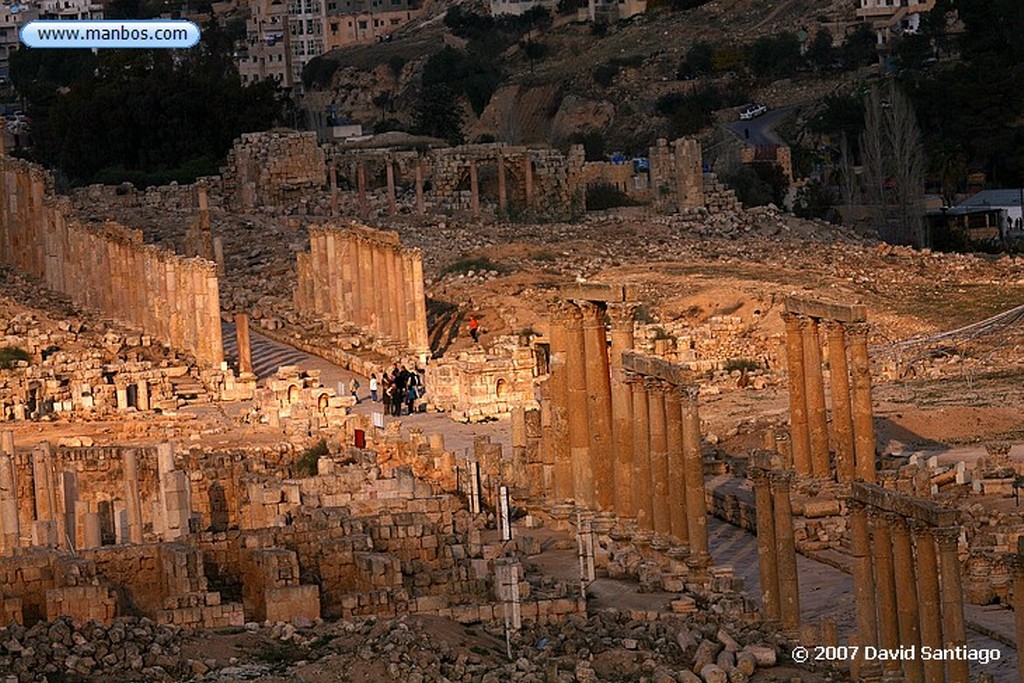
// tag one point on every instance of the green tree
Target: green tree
(859, 47)
(821, 52)
(145, 115)
(438, 114)
(775, 56)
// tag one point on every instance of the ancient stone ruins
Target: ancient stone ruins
(190, 455)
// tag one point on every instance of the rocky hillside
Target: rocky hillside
(581, 79)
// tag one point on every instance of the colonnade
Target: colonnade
(364, 277)
(846, 332)
(776, 548)
(906, 576)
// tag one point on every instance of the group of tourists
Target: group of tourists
(396, 388)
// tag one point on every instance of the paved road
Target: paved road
(760, 131)
(824, 590)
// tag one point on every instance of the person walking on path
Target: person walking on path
(474, 329)
(410, 398)
(373, 387)
(355, 389)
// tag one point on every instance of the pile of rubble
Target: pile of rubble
(129, 647)
(611, 645)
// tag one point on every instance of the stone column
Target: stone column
(659, 455)
(364, 206)
(579, 423)
(953, 626)
(929, 600)
(644, 508)
(9, 525)
(885, 580)
(816, 416)
(676, 466)
(800, 436)
(842, 413)
(767, 546)
(502, 191)
(392, 206)
(863, 581)
(378, 273)
(218, 254)
(420, 205)
(395, 296)
(204, 209)
(528, 180)
(1018, 607)
(599, 405)
(693, 464)
(244, 344)
(906, 597)
(333, 179)
(474, 189)
(46, 491)
(863, 416)
(133, 503)
(785, 548)
(352, 276)
(621, 317)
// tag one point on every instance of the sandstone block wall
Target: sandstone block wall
(273, 169)
(477, 385)
(108, 268)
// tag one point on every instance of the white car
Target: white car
(752, 111)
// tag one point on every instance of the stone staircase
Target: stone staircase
(717, 197)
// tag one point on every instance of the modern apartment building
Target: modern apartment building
(267, 54)
(891, 17)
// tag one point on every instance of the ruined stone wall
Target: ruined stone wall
(479, 384)
(676, 174)
(272, 169)
(108, 268)
(367, 278)
(172, 197)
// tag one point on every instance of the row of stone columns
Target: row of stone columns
(776, 548)
(897, 566)
(474, 186)
(851, 415)
(389, 171)
(365, 277)
(582, 410)
(666, 471)
(172, 298)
